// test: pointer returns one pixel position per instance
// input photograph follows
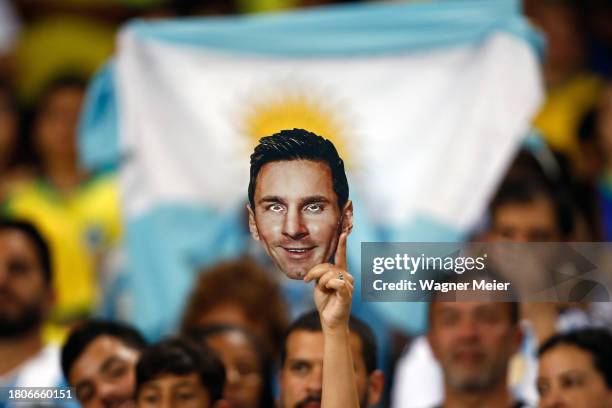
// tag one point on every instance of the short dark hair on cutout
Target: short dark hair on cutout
(87, 332)
(36, 239)
(181, 356)
(528, 189)
(596, 342)
(299, 144)
(311, 322)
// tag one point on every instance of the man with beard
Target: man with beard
(301, 377)
(25, 297)
(474, 341)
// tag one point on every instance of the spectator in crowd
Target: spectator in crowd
(254, 303)
(576, 370)
(99, 361)
(26, 296)
(248, 382)
(571, 88)
(526, 208)
(77, 212)
(177, 373)
(529, 209)
(301, 378)
(474, 341)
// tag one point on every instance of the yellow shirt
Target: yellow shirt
(79, 227)
(564, 108)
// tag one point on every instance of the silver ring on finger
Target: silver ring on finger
(341, 276)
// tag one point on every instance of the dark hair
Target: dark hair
(202, 333)
(299, 144)
(87, 332)
(509, 297)
(311, 322)
(596, 342)
(182, 357)
(528, 189)
(36, 239)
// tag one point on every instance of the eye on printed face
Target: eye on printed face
(473, 341)
(567, 378)
(104, 374)
(174, 391)
(296, 215)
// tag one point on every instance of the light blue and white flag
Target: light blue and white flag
(426, 102)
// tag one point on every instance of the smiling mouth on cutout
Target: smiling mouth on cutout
(298, 252)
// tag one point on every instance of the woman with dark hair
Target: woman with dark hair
(254, 303)
(247, 366)
(575, 370)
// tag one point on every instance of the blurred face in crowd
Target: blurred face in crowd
(55, 127)
(174, 391)
(302, 372)
(473, 341)
(8, 128)
(533, 221)
(296, 215)
(24, 294)
(104, 374)
(568, 378)
(243, 368)
(233, 314)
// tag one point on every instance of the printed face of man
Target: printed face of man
(104, 374)
(301, 376)
(24, 295)
(567, 378)
(296, 215)
(473, 341)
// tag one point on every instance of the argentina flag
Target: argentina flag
(426, 102)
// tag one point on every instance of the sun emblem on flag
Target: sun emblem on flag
(295, 107)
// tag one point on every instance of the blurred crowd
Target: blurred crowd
(61, 228)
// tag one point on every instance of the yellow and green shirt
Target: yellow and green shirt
(79, 227)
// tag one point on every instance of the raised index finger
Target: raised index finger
(340, 257)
